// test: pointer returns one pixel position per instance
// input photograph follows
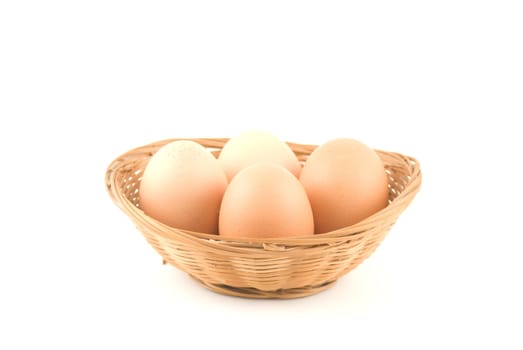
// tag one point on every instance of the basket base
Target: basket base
(253, 293)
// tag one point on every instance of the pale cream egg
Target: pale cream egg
(253, 147)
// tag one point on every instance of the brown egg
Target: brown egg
(346, 182)
(265, 201)
(254, 147)
(182, 186)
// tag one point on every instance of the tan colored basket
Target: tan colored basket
(270, 268)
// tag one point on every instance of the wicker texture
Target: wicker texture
(270, 268)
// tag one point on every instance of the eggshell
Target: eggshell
(182, 186)
(254, 147)
(346, 182)
(265, 201)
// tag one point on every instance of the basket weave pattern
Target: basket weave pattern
(269, 268)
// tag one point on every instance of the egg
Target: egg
(265, 200)
(182, 186)
(346, 182)
(252, 147)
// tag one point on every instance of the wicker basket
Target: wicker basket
(270, 268)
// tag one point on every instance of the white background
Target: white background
(83, 81)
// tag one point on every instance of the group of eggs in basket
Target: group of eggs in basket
(257, 188)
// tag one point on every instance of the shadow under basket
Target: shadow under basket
(268, 268)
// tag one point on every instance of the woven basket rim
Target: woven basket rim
(229, 243)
